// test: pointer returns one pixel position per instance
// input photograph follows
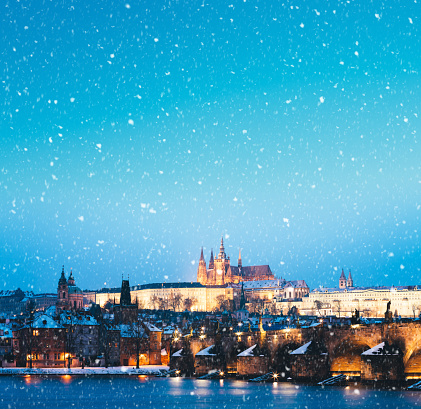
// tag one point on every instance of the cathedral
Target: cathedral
(221, 272)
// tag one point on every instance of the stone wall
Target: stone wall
(252, 365)
(382, 368)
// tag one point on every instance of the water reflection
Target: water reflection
(58, 392)
(31, 380)
(66, 379)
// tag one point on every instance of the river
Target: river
(63, 392)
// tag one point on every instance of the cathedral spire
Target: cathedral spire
(222, 254)
(211, 264)
(240, 263)
(201, 270)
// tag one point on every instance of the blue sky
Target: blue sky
(133, 133)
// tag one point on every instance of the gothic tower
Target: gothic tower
(125, 297)
(342, 280)
(202, 276)
(211, 264)
(350, 281)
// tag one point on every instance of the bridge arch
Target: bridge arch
(412, 359)
(345, 354)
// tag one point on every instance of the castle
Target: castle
(221, 272)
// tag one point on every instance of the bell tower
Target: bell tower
(342, 280)
(63, 292)
(350, 281)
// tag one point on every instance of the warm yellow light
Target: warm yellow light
(221, 373)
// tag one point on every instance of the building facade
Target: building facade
(371, 302)
(170, 296)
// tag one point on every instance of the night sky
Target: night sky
(133, 133)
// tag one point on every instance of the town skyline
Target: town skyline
(134, 134)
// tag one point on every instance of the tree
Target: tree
(175, 300)
(318, 305)
(162, 304)
(189, 302)
(154, 300)
(337, 307)
(140, 304)
(415, 307)
(221, 303)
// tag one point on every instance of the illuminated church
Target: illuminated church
(221, 272)
(69, 297)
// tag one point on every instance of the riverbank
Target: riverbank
(87, 371)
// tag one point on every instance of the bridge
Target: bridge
(344, 344)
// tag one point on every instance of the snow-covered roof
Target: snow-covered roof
(168, 330)
(45, 321)
(132, 331)
(5, 331)
(380, 350)
(10, 293)
(206, 351)
(151, 327)
(308, 348)
(301, 350)
(178, 353)
(259, 284)
(78, 319)
(51, 311)
(248, 351)
(296, 284)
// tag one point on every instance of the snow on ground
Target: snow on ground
(117, 370)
